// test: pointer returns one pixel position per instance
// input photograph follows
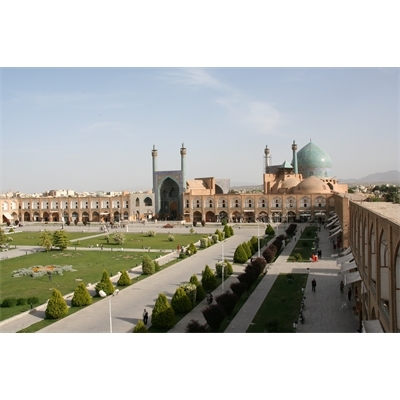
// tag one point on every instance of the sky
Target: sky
(91, 129)
(82, 108)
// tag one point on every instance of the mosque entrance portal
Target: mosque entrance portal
(169, 200)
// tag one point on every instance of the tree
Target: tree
(214, 315)
(45, 240)
(124, 279)
(56, 306)
(200, 293)
(227, 231)
(190, 289)
(140, 327)
(163, 315)
(119, 238)
(3, 237)
(148, 266)
(208, 279)
(247, 249)
(269, 230)
(240, 255)
(194, 326)
(238, 288)
(60, 239)
(81, 296)
(181, 302)
(105, 285)
(227, 301)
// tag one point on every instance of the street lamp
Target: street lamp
(223, 266)
(103, 294)
(258, 238)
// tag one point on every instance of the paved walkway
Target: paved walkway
(324, 312)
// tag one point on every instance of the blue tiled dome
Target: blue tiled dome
(313, 161)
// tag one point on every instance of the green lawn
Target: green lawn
(89, 266)
(304, 245)
(281, 306)
(32, 238)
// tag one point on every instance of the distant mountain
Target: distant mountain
(392, 177)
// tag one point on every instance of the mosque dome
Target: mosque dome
(311, 185)
(313, 161)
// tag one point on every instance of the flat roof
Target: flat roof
(389, 211)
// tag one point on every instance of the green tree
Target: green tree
(180, 301)
(81, 296)
(148, 267)
(56, 306)
(247, 249)
(231, 232)
(140, 327)
(220, 235)
(190, 289)
(163, 315)
(105, 285)
(269, 230)
(200, 293)
(240, 255)
(45, 240)
(208, 279)
(124, 279)
(227, 232)
(60, 239)
(119, 238)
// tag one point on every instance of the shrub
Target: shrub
(240, 255)
(105, 285)
(200, 293)
(32, 300)
(253, 243)
(119, 238)
(227, 301)
(231, 233)
(171, 238)
(124, 279)
(247, 249)
(9, 302)
(208, 279)
(220, 235)
(192, 248)
(151, 234)
(194, 326)
(269, 253)
(214, 315)
(297, 257)
(214, 238)
(190, 289)
(81, 296)
(21, 301)
(247, 279)
(225, 266)
(163, 315)
(181, 302)
(57, 306)
(254, 270)
(157, 266)
(140, 327)
(269, 230)
(148, 267)
(204, 243)
(238, 288)
(227, 231)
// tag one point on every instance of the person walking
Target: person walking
(145, 316)
(313, 285)
(349, 293)
(341, 286)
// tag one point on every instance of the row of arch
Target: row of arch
(250, 202)
(248, 216)
(377, 252)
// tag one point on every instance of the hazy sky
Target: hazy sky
(94, 128)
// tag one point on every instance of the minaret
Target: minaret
(183, 168)
(267, 159)
(154, 154)
(294, 148)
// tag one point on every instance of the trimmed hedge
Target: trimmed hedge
(163, 315)
(57, 306)
(81, 296)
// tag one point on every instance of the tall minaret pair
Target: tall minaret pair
(267, 158)
(182, 183)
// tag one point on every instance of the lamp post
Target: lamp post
(258, 238)
(223, 266)
(103, 294)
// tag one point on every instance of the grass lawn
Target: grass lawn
(133, 240)
(304, 245)
(89, 266)
(281, 306)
